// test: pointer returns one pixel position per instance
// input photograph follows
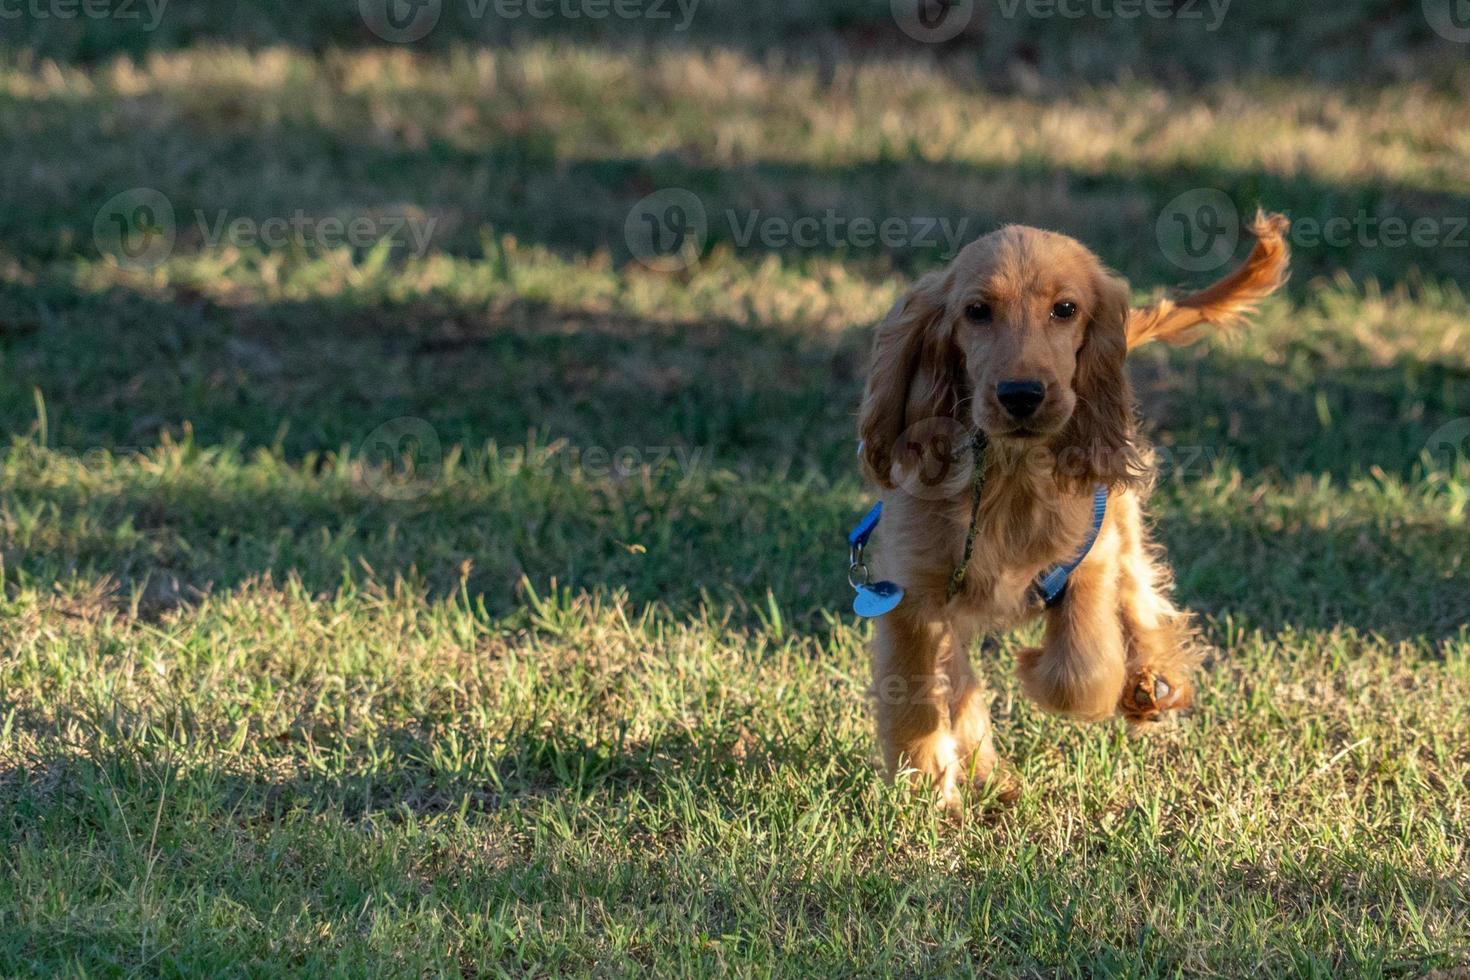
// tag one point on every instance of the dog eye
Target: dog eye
(978, 313)
(1064, 310)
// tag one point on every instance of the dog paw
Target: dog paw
(1001, 785)
(1148, 696)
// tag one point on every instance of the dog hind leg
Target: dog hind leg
(1162, 650)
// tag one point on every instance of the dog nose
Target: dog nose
(1020, 398)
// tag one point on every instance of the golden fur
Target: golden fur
(1024, 304)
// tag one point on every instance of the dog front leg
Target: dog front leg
(969, 722)
(1079, 668)
(911, 689)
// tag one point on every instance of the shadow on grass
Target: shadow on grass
(319, 376)
(433, 769)
(520, 178)
(715, 541)
(118, 369)
(739, 482)
(1025, 46)
(225, 842)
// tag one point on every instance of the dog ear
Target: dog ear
(1097, 446)
(914, 374)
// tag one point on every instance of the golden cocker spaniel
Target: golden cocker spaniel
(1014, 356)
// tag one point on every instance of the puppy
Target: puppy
(996, 410)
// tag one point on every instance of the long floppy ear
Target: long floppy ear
(913, 375)
(1097, 444)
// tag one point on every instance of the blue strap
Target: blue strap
(1052, 584)
(859, 535)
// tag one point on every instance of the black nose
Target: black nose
(1020, 398)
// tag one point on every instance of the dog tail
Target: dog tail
(1225, 303)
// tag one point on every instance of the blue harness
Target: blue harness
(874, 599)
(1052, 584)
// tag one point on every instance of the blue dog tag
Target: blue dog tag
(875, 599)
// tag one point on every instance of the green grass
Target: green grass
(272, 703)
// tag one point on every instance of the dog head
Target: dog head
(1023, 337)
